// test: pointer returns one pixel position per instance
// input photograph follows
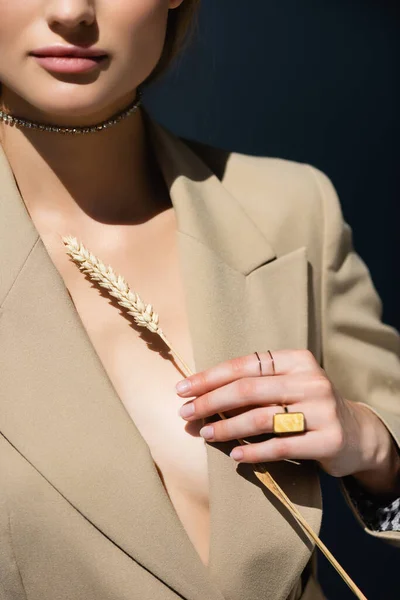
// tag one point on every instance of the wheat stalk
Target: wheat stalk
(145, 316)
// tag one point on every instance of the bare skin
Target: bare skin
(135, 233)
(144, 250)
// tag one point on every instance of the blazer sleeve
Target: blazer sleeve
(360, 354)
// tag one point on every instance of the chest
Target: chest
(144, 374)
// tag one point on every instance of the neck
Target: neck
(76, 183)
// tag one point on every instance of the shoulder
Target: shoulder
(288, 200)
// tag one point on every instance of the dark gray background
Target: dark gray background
(312, 81)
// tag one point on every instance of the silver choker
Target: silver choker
(18, 122)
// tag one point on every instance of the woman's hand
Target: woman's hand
(343, 436)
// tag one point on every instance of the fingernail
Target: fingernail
(207, 432)
(187, 410)
(183, 386)
(237, 454)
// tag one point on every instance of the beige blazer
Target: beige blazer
(267, 264)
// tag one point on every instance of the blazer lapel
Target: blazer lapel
(241, 298)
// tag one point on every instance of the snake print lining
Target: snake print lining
(377, 514)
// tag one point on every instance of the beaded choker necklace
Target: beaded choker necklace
(72, 130)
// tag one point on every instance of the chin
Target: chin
(75, 105)
(69, 102)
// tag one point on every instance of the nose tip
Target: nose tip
(71, 13)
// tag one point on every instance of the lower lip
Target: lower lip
(69, 64)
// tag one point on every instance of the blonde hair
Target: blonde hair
(180, 26)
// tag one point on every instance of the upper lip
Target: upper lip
(73, 51)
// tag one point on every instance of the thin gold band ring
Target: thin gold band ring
(259, 363)
(272, 362)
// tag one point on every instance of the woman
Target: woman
(107, 487)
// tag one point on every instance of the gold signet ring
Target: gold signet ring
(287, 422)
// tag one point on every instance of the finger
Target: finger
(251, 391)
(285, 362)
(310, 445)
(255, 422)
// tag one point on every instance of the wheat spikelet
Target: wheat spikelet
(145, 316)
(142, 313)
